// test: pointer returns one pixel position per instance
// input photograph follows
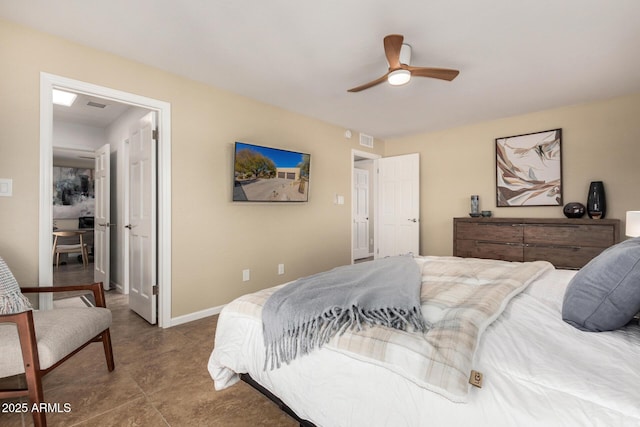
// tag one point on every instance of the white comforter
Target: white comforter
(538, 371)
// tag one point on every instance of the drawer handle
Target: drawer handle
(496, 224)
(499, 243)
(555, 225)
(575, 248)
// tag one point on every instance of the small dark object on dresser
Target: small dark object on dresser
(574, 210)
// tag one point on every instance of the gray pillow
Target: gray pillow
(605, 294)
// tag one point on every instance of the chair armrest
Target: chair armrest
(96, 288)
(15, 317)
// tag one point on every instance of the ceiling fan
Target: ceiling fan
(400, 71)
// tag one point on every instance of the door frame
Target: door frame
(163, 109)
(373, 193)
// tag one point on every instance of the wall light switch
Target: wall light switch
(6, 187)
(280, 268)
(246, 275)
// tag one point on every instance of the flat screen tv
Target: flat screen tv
(263, 174)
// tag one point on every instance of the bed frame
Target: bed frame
(253, 383)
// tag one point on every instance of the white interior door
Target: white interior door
(142, 219)
(360, 213)
(398, 205)
(102, 217)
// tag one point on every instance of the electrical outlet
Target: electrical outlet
(280, 268)
(246, 275)
(6, 187)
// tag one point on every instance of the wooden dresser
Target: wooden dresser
(566, 243)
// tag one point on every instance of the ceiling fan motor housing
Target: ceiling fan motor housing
(405, 54)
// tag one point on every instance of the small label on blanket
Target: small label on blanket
(476, 379)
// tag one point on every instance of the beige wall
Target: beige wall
(213, 238)
(600, 142)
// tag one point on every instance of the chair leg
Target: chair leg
(108, 350)
(32, 372)
(36, 396)
(85, 261)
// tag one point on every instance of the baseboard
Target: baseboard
(175, 321)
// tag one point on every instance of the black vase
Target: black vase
(596, 203)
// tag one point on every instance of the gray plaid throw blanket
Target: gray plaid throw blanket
(307, 313)
(11, 299)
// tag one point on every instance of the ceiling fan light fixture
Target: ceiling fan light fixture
(399, 77)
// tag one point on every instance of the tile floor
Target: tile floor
(160, 379)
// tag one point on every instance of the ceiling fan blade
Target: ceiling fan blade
(434, 73)
(370, 84)
(392, 46)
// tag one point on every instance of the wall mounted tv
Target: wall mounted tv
(263, 174)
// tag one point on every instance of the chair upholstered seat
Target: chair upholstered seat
(58, 333)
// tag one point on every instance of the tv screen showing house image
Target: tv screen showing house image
(263, 174)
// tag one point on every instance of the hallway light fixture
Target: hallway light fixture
(61, 97)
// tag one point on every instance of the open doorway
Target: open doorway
(131, 106)
(79, 129)
(363, 205)
(385, 215)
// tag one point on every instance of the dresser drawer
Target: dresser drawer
(573, 235)
(568, 257)
(489, 250)
(492, 232)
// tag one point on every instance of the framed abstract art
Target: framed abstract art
(529, 169)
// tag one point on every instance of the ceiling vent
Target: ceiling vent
(366, 140)
(96, 104)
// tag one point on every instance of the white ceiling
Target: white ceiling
(86, 110)
(514, 57)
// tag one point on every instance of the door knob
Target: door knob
(413, 220)
(128, 226)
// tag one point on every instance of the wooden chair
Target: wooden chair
(42, 340)
(73, 248)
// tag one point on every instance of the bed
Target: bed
(537, 370)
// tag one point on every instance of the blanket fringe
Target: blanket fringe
(14, 302)
(301, 339)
